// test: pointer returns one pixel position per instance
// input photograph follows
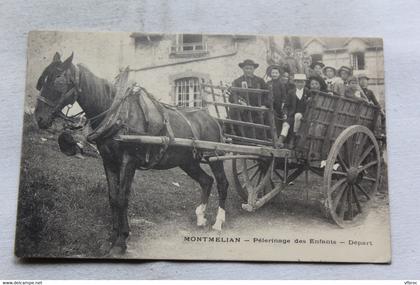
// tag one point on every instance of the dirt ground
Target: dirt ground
(64, 211)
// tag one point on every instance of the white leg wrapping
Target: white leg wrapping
(298, 118)
(220, 219)
(200, 212)
(285, 129)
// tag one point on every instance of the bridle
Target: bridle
(73, 93)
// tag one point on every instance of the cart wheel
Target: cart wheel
(351, 176)
(251, 173)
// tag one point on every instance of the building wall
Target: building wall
(374, 63)
(160, 81)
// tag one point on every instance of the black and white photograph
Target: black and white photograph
(199, 146)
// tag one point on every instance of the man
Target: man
(279, 93)
(371, 98)
(247, 80)
(297, 99)
(364, 82)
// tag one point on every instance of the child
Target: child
(353, 90)
(330, 78)
(296, 105)
(344, 73)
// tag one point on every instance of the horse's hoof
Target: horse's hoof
(202, 222)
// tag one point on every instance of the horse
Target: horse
(63, 83)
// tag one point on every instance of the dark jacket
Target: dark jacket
(294, 105)
(370, 96)
(253, 82)
(279, 95)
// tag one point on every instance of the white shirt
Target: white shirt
(299, 93)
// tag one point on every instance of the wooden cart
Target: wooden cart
(336, 141)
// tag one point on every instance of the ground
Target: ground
(64, 209)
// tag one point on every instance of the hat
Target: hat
(324, 70)
(322, 84)
(299, 76)
(248, 62)
(362, 75)
(274, 66)
(317, 63)
(345, 68)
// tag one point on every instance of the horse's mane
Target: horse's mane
(101, 91)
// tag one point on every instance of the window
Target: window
(316, 57)
(187, 92)
(189, 44)
(357, 60)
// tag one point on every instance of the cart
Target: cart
(335, 141)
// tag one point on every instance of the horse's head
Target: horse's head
(58, 86)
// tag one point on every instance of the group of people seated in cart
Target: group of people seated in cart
(292, 86)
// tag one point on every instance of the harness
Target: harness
(74, 91)
(109, 126)
(167, 128)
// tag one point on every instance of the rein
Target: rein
(74, 91)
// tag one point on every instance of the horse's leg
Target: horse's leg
(112, 175)
(127, 171)
(195, 171)
(222, 186)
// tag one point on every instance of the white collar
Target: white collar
(299, 93)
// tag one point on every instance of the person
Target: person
(364, 83)
(247, 80)
(317, 67)
(279, 94)
(371, 98)
(296, 102)
(299, 59)
(316, 83)
(330, 78)
(306, 65)
(344, 72)
(353, 90)
(289, 59)
(286, 80)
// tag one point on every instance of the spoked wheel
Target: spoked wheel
(351, 175)
(252, 173)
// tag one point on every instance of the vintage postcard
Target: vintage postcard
(204, 147)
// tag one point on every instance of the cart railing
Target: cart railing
(245, 114)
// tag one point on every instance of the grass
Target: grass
(63, 208)
(58, 202)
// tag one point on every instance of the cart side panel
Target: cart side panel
(326, 117)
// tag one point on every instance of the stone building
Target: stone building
(364, 55)
(170, 66)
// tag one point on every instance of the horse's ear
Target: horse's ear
(67, 63)
(56, 57)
